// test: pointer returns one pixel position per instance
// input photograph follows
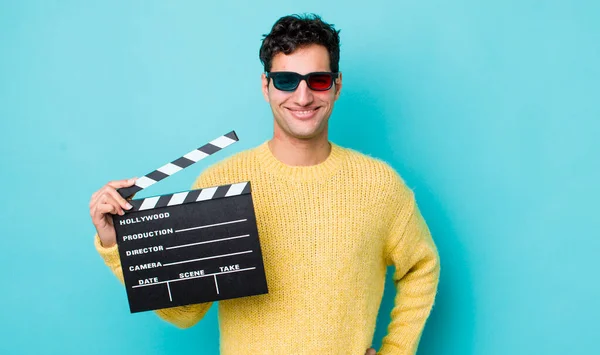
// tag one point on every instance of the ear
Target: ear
(265, 86)
(338, 85)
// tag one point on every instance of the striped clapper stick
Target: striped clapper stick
(190, 247)
(179, 164)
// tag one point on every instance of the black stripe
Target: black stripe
(221, 191)
(163, 201)
(183, 162)
(192, 196)
(126, 192)
(209, 149)
(157, 175)
(246, 189)
(136, 205)
(232, 135)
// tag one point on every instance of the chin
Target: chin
(306, 134)
(300, 130)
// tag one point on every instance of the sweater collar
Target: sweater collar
(317, 172)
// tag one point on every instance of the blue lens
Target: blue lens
(286, 81)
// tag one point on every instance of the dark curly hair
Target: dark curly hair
(295, 31)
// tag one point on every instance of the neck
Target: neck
(300, 152)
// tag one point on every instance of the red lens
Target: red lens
(320, 82)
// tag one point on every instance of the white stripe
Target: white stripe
(195, 155)
(169, 169)
(144, 182)
(222, 142)
(208, 241)
(236, 189)
(207, 258)
(216, 285)
(210, 225)
(149, 203)
(177, 199)
(207, 194)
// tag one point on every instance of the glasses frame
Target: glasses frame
(306, 77)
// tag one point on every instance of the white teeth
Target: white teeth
(303, 112)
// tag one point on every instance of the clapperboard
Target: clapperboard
(192, 246)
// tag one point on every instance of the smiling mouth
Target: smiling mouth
(303, 114)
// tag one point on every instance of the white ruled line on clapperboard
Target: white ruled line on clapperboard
(180, 243)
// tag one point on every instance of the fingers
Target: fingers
(108, 201)
(99, 212)
(117, 201)
(110, 190)
(116, 197)
(370, 351)
(103, 207)
(117, 184)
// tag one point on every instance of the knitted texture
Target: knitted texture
(327, 233)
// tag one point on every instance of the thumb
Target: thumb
(370, 351)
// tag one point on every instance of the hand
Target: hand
(370, 351)
(105, 202)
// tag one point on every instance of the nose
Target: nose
(303, 96)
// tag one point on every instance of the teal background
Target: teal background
(489, 110)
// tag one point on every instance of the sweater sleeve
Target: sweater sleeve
(182, 316)
(416, 260)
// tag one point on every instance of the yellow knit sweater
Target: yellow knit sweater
(327, 233)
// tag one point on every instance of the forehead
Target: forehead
(303, 60)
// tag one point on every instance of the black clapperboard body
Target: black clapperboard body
(192, 246)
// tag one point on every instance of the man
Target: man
(330, 220)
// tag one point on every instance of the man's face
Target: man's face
(303, 113)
